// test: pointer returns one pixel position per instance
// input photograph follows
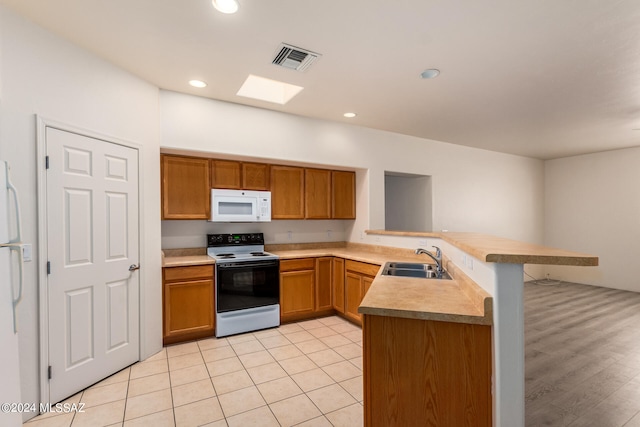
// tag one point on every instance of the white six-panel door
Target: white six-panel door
(92, 240)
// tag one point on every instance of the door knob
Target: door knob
(134, 267)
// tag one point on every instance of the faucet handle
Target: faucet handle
(438, 252)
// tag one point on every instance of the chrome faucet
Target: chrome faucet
(437, 258)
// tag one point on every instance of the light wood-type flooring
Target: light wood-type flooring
(582, 369)
(582, 356)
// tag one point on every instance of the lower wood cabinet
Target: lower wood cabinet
(337, 284)
(188, 303)
(426, 373)
(297, 288)
(324, 300)
(305, 288)
(314, 287)
(358, 279)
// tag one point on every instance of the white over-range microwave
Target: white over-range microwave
(240, 206)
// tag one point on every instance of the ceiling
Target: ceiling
(538, 78)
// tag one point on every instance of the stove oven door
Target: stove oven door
(247, 284)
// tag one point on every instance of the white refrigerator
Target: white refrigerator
(11, 280)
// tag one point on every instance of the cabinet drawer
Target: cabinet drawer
(298, 264)
(191, 272)
(362, 268)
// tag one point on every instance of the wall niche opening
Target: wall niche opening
(407, 202)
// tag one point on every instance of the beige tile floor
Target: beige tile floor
(304, 374)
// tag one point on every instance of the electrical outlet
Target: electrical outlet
(289, 235)
(27, 252)
(464, 260)
(329, 233)
(377, 239)
(422, 242)
(470, 263)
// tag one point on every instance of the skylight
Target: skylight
(268, 90)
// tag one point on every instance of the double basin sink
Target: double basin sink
(413, 269)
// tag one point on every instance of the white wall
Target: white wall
(473, 190)
(593, 205)
(44, 75)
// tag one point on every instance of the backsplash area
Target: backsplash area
(193, 234)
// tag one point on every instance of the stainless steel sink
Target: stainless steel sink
(410, 269)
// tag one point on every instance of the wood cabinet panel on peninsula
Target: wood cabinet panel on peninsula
(188, 303)
(424, 372)
(185, 187)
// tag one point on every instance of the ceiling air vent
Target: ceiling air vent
(294, 58)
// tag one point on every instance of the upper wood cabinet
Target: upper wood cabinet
(287, 192)
(256, 176)
(185, 187)
(226, 174)
(343, 195)
(317, 193)
(239, 175)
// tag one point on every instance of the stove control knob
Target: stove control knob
(244, 238)
(230, 239)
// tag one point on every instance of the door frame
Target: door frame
(43, 283)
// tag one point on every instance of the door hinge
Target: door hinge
(49, 372)
(46, 162)
(48, 267)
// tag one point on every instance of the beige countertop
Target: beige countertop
(497, 249)
(460, 300)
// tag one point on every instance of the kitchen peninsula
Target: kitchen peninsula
(453, 369)
(481, 308)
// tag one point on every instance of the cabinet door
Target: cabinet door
(343, 195)
(188, 310)
(366, 284)
(297, 293)
(338, 284)
(353, 291)
(185, 187)
(225, 174)
(287, 192)
(317, 193)
(323, 284)
(255, 176)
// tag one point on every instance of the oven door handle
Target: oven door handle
(249, 264)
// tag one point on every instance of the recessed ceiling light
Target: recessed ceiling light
(430, 73)
(349, 115)
(197, 83)
(268, 90)
(226, 6)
